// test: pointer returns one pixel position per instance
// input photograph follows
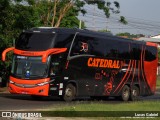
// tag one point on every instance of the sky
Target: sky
(143, 17)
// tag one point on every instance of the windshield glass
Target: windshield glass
(35, 41)
(29, 67)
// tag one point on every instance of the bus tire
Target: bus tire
(134, 93)
(125, 93)
(70, 93)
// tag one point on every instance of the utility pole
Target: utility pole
(80, 24)
(14, 42)
(94, 10)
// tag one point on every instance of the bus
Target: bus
(71, 63)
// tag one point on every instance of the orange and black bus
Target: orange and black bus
(70, 62)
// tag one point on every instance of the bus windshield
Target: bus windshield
(29, 67)
(35, 41)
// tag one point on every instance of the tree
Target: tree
(108, 8)
(128, 35)
(58, 13)
(53, 12)
(104, 31)
(18, 15)
(15, 17)
(158, 55)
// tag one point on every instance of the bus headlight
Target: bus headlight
(10, 81)
(41, 84)
(44, 83)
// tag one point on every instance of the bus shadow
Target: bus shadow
(29, 98)
(52, 98)
(78, 99)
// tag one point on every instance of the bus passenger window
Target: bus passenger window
(54, 68)
(150, 53)
(56, 65)
(80, 46)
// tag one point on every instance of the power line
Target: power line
(141, 24)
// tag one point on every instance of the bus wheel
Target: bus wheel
(125, 93)
(134, 93)
(70, 93)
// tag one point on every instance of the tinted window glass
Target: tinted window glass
(81, 45)
(35, 41)
(98, 46)
(29, 67)
(63, 40)
(123, 50)
(111, 48)
(150, 53)
(136, 51)
(117, 49)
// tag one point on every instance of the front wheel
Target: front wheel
(125, 93)
(70, 93)
(134, 93)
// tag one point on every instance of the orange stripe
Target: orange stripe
(143, 76)
(139, 64)
(39, 90)
(127, 77)
(67, 65)
(44, 54)
(31, 82)
(151, 44)
(5, 52)
(123, 77)
(134, 72)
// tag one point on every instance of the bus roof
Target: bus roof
(83, 31)
(67, 30)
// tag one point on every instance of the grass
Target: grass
(158, 81)
(105, 111)
(101, 106)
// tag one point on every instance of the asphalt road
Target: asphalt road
(24, 102)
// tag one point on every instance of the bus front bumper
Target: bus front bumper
(29, 89)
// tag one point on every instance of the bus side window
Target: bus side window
(111, 49)
(135, 52)
(56, 66)
(80, 46)
(150, 53)
(63, 40)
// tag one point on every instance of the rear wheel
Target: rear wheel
(70, 93)
(134, 93)
(125, 93)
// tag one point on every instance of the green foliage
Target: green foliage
(19, 15)
(15, 17)
(158, 56)
(122, 20)
(130, 35)
(104, 31)
(28, 17)
(107, 8)
(103, 106)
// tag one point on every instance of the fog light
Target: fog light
(41, 91)
(10, 88)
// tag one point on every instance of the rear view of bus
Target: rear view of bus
(34, 58)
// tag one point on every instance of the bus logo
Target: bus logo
(84, 47)
(103, 63)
